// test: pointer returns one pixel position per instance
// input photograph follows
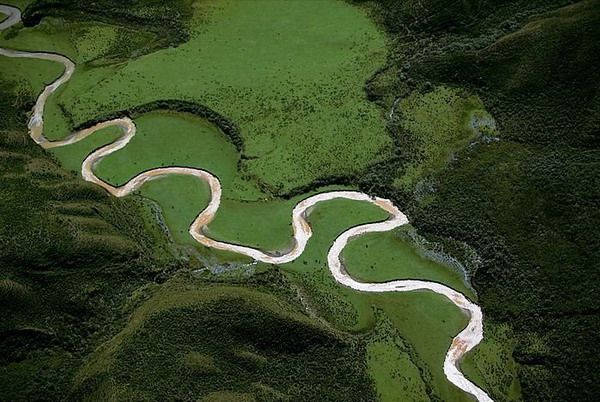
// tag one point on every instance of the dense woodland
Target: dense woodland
(528, 202)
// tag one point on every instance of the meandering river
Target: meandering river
(466, 340)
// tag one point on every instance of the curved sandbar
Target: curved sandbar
(466, 340)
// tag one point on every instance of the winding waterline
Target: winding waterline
(466, 340)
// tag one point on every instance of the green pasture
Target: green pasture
(380, 257)
(72, 156)
(290, 74)
(425, 320)
(167, 139)
(264, 223)
(32, 74)
(396, 376)
(492, 364)
(439, 124)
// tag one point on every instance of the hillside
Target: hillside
(524, 192)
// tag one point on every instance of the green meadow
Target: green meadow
(295, 89)
(380, 257)
(437, 125)
(426, 321)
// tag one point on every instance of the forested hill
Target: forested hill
(524, 190)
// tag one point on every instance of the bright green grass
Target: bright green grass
(396, 377)
(244, 223)
(291, 74)
(426, 320)
(169, 192)
(380, 257)
(72, 156)
(439, 122)
(169, 139)
(492, 363)
(34, 73)
(328, 220)
(181, 198)
(95, 40)
(174, 139)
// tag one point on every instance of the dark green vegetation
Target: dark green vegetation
(524, 195)
(217, 340)
(331, 365)
(69, 255)
(421, 325)
(76, 264)
(145, 25)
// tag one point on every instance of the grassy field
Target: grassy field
(424, 320)
(396, 377)
(31, 73)
(166, 139)
(487, 364)
(433, 127)
(379, 257)
(297, 98)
